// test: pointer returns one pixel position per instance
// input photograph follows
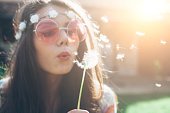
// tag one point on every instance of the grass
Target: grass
(161, 105)
(144, 103)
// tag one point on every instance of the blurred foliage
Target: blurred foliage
(3, 70)
(153, 106)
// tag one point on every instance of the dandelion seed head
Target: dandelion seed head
(90, 59)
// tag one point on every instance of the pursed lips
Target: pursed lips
(64, 56)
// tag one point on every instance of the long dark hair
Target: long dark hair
(25, 88)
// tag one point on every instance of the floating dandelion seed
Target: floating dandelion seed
(163, 42)
(140, 33)
(117, 47)
(158, 85)
(120, 56)
(90, 60)
(104, 19)
(132, 46)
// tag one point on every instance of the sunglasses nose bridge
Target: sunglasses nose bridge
(63, 38)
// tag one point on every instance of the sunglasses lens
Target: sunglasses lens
(77, 29)
(47, 30)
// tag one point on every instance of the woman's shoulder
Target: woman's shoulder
(108, 102)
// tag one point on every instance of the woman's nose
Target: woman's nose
(63, 38)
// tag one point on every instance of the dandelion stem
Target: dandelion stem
(82, 82)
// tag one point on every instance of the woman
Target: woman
(43, 77)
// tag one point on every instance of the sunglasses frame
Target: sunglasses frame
(60, 28)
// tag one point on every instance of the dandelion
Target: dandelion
(163, 42)
(158, 85)
(90, 60)
(140, 33)
(104, 19)
(53, 14)
(34, 18)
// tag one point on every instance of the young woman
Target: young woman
(43, 77)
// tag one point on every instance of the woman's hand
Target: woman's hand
(78, 111)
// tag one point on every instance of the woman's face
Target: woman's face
(56, 57)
